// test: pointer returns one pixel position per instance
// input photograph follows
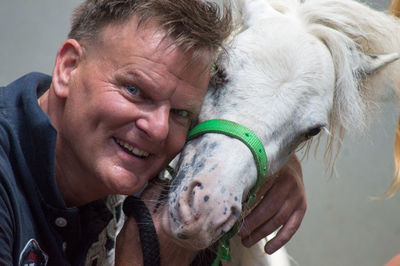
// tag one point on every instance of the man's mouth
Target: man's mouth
(133, 150)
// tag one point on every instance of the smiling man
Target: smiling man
(125, 89)
(135, 94)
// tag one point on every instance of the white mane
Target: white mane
(374, 34)
(348, 29)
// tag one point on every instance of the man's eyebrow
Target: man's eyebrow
(136, 78)
(127, 75)
(151, 86)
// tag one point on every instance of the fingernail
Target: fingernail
(269, 249)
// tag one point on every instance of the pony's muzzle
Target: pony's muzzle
(205, 216)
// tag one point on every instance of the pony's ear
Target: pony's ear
(369, 64)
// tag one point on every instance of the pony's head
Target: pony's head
(294, 69)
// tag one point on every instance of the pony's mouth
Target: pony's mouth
(132, 150)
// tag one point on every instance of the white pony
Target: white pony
(293, 69)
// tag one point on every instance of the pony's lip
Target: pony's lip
(181, 237)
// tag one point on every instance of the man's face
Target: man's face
(129, 106)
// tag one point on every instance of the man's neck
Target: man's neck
(68, 182)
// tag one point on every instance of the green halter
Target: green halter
(256, 147)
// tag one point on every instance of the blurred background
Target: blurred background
(342, 226)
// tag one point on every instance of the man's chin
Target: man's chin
(126, 185)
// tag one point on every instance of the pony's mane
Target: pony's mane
(349, 29)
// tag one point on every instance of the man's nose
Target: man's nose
(155, 122)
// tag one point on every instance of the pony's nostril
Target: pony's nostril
(187, 210)
(235, 211)
(231, 219)
(193, 188)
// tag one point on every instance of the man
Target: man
(125, 89)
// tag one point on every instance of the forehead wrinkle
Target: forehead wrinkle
(163, 49)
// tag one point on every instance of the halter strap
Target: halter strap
(256, 147)
(136, 208)
(243, 134)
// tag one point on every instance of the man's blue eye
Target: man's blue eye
(182, 113)
(133, 90)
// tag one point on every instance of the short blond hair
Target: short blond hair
(191, 24)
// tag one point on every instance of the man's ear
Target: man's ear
(68, 58)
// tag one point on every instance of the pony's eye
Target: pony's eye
(133, 90)
(313, 132)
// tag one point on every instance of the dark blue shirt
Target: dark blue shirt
(35, 224)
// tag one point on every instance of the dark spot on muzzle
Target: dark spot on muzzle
(199, 166)
(223, 189)
(178, 179)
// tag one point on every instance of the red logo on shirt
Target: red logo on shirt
(32, 255)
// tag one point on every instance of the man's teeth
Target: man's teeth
(132, 149)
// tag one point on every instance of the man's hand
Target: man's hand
(282, 203)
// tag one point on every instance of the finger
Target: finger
(270, 226)
(287, 212)
(264, 211)
(291, 170)
(271, 203)
(265, 187)
(285, 233)
(288, 189)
